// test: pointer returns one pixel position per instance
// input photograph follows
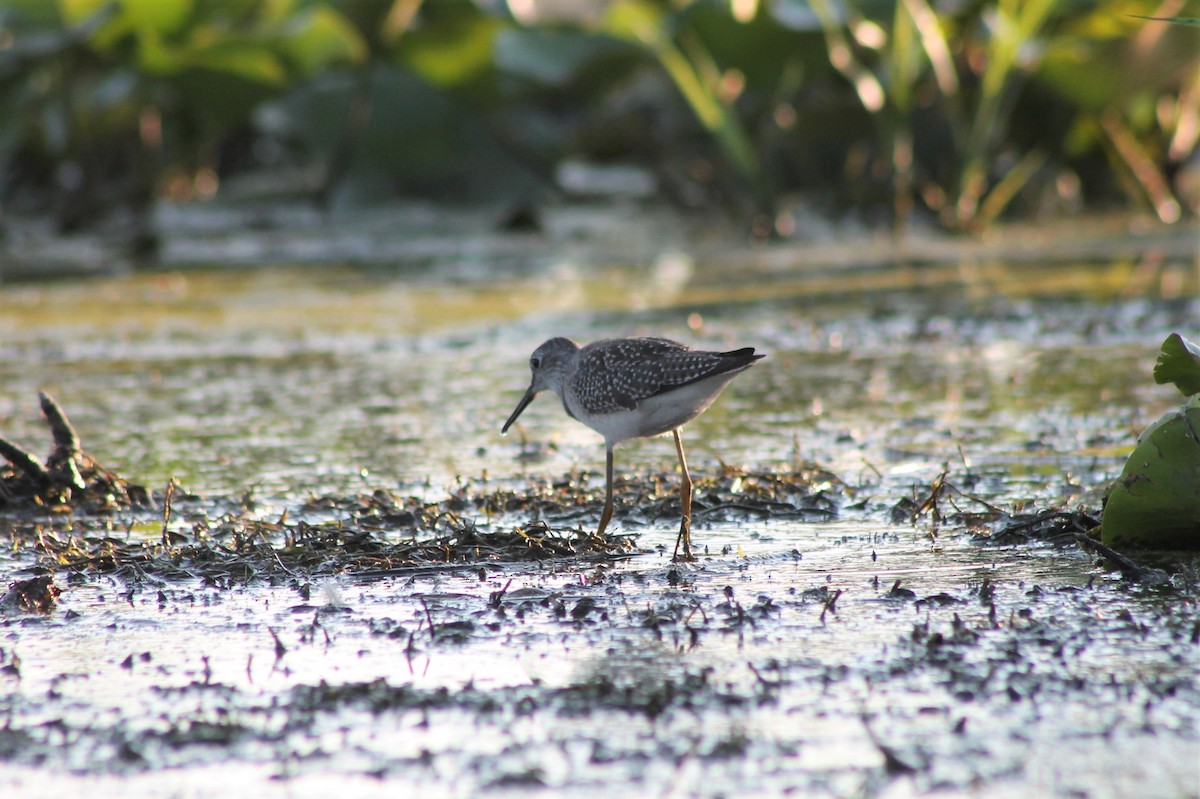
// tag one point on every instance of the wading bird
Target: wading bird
(627, 388)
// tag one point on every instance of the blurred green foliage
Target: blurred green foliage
(959, 110)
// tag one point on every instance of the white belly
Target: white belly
(656, 415)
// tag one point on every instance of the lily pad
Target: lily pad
(1156, 500)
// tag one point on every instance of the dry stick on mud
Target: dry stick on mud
(930, 504)
(1130, 568)
(68, 477)
(25, 463)
(168, 495)
(63, 462)
(61, 467)
(830, 605)
(429, 618)
(280, 649)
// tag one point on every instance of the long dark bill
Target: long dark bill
(521, 406)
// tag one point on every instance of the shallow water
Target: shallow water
(1045, 688)
(298, 380)
(1009, 671)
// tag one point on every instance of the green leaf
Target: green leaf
(74, 12)
(250, 62)
(322, 37)
(1193, 21)
(104, 21)
(1156, 500)
(160, 16)
(1179, 363)
(452, 52)
(154, 57)
(38, 12)
(551, 57)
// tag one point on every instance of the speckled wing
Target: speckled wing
(615, 375)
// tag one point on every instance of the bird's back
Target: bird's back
(667, 383)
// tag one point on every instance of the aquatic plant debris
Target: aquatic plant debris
(381, 532)
(70, 479)
(35, 595)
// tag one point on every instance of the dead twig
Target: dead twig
(830, 605)
(1130, 569)
(167, 497)
(63, 463)
(69, 479)
(25, 463)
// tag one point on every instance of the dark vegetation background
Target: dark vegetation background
(955, 113)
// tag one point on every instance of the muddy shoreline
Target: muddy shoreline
(360, 586)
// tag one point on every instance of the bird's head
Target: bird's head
(548, 366)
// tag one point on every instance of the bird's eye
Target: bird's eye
(535, 362)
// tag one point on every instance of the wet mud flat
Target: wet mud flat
(355, 585)
(382, 643)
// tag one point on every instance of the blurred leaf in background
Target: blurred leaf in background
(114, 102)
(1132, 88)
(957, 112)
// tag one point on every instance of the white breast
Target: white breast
(655, 415)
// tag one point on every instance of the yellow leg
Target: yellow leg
(606, 516)
(685, 503)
